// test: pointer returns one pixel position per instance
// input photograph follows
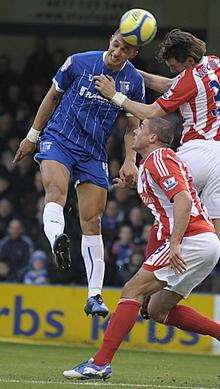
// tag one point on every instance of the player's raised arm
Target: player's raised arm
(157, 83)
(61, 82)
(45, 111)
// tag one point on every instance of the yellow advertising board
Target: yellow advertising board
(55, 314)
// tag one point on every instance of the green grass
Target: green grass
(25, 363)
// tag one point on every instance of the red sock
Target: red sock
(189, 319)
(121, 322)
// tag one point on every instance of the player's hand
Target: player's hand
(26, 148)
(176, 261)
(129, 172)
(119, 183)
(105, 85)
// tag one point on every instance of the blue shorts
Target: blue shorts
(81, 165)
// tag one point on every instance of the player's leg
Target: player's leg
(55, 178)
(201, 253)
(163, 309)
(120, 324)
(159, 305)
(92, 202)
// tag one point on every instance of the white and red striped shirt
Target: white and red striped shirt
(196, 92)
(161, 176)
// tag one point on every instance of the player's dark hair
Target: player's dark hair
(163, 129)
(180, 45)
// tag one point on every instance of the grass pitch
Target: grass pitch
(31, 366)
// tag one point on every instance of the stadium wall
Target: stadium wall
(54, 314)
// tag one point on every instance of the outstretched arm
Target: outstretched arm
(47, 107)
(106, 85)
(157, 83)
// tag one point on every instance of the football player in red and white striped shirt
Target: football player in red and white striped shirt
(188, 251)
(196, 93)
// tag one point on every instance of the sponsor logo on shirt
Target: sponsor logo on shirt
(84, 92)
(170, 183)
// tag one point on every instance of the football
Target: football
(138, 27)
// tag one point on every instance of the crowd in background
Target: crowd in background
(25, 254)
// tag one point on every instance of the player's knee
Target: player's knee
(91, 225)
(129, 291)
(55, 193)
(155, 314)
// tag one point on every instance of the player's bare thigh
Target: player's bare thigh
(143, 283)
(161, 303)
(92, 201)
(55, 178)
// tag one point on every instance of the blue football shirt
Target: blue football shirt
(84, 117)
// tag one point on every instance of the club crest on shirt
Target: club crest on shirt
(124, 86)
(170, 183)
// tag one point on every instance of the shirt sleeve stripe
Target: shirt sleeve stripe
(57, 86)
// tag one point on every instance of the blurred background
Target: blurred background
(35, 39)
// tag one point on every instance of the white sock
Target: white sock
(53, 221)
(93, 255)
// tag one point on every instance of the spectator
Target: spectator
(39, 65)
(136, 219)
(6, 215)
(8, 76)
(5, 186)
(126, 199)
(146, 233)
(123, 248)
(36, 95)
(15, 249)
(8, 155)
(22, 116)
(25, 175)
(37, 275)
(59, 57)
(5, 272)
(13, 97)
(112, 217)
(135, 261)
(6, 127)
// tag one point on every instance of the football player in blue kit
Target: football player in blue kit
(72, 126)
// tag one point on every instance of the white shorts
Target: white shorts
(203, 160)
(200, 253)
